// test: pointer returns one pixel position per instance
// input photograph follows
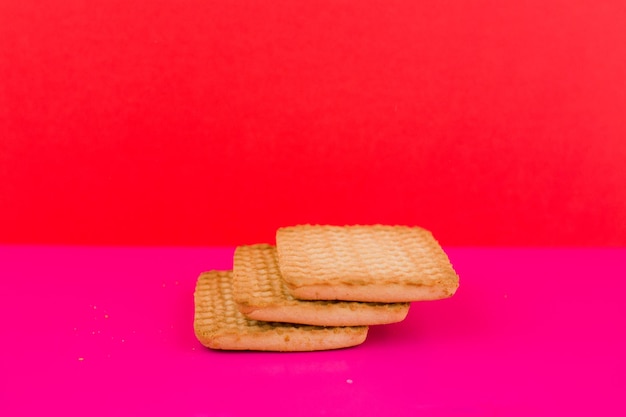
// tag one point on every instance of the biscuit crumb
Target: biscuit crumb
(81, 359)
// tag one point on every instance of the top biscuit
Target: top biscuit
(364, 263)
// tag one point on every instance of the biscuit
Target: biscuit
(219, 325)
(261, 294)
(364, 263)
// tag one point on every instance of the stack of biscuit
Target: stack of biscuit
(320, 287)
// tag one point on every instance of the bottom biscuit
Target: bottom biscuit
(218, 324)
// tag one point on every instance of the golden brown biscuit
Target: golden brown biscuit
(364, 263)
(219, 325)
(261, 294)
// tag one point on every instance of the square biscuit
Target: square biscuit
(218, 324)
(261, 294)
(374, 263)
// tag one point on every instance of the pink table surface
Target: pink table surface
(108, 332)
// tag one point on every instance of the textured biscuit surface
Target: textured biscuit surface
(261, 294)
(364, 263)
(219, 325)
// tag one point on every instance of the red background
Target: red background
(214, 122)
